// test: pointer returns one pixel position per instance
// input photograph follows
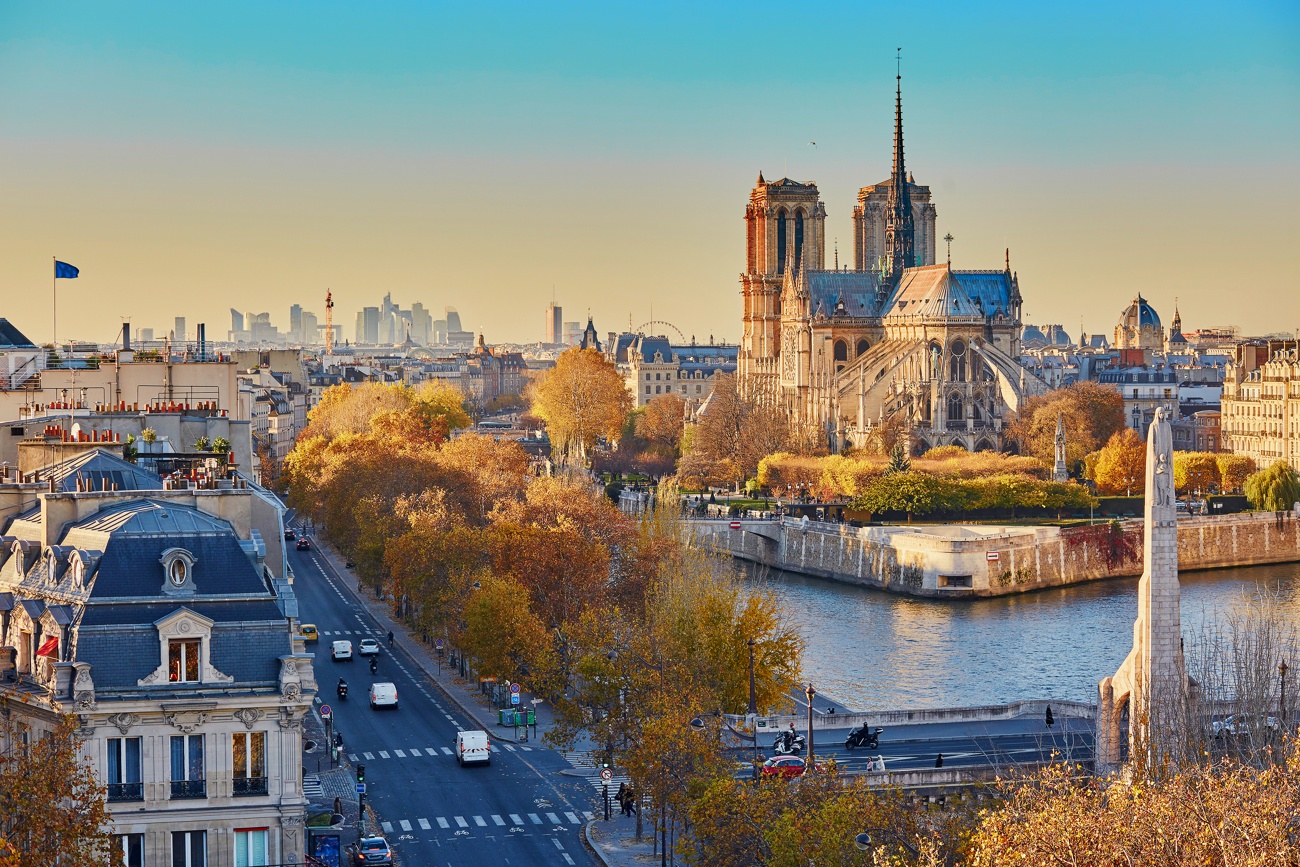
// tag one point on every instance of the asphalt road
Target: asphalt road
(516, 811)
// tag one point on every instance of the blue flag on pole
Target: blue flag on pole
(64, 270)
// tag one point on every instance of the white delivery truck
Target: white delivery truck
(472, 748)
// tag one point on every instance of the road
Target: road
(516, 811)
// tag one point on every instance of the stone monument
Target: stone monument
(1153, 678)
(1060, 472)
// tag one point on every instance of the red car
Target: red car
(786, 766)
(303, 544)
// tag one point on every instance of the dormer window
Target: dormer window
(183, 661)
(178, 571)
(178, 567)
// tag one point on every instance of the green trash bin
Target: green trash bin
(532, 717)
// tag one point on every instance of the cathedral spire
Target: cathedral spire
(900, 234)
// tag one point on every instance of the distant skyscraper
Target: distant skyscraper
(178, 332)
(421, 324)
(554, 323)
(453, 319)
(295, 322)
(236, 320)
(369, 330)
(310, 330)
(572, 334)
(144, 335)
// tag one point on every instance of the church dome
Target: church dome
(1140, 315)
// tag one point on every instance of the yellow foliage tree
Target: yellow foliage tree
(583, 397)
(1233, 471)
(1092, 414)
(1121, 465)
(1195, 472)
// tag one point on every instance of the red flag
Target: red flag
(50, 648)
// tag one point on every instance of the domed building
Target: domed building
(1139, 327)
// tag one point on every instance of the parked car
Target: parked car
(786, 766)
(473, 748)
(288, 533)
(341, 650)
(308, 632)
(1244, 724)
(303, 543)
(373, 850)
(383, 695)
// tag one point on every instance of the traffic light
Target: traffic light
(361, 773)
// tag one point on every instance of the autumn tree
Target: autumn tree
(1233, 471)
(1195, 472)
(582, 398)
(1121, 465)
(1092, 414)
(52, 808)
(661, 422)
(503, 634)
(734, 432)
(1276, 489)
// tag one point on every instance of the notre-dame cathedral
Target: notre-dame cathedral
(894, 338)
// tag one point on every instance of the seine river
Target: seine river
(875, 650)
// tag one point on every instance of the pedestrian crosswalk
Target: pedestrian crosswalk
(585, 761)
(343, 633)
(470, 823)
(410, 753)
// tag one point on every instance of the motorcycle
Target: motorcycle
(788, 744)
(374, 665)
(343, 691)
(864, 736)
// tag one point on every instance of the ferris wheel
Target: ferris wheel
(651, 326)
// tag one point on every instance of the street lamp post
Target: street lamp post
(811, 693)
(1281, 676)
(753, 699)
(865, 842)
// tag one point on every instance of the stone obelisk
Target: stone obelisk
(1153, 678)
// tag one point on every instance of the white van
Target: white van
(341, 650)
(472, 748)
(383, 695)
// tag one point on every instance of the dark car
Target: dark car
(373, 850)
(303, 543)
(288, 532)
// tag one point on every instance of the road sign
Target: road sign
(325, 711)
(438, 643)
(735, 525)
(488, 678)
(361, 788)
(514, 687)
(993, 556)
(606, 774)
(514, 698)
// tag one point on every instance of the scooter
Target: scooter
(787, 744)
(864, 736)
(343, 690)
(374, 665)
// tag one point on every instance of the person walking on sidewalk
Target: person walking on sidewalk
(621, 797)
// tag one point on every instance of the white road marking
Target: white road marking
(424, 825)
(568, 859)
(352, 757)
(478, 820)
(460, 820)
(533, 817)
(446, 751)
(406, 826)
(498, 820)
(369, 756)
(383, 755)
(573, 820)
(443, 823)
(387, 826)
(558, 844)
(434, 752)
(515, 820)
(553, 819)
(399, 754)
(510, 748)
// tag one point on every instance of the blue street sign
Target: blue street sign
(361, 788)
(514, 698)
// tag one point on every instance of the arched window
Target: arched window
(957, 362)
(841, 351)
(798, 239)
(780, 241)
(956, 408)
(863, 346)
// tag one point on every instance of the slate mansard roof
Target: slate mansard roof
(927, 290)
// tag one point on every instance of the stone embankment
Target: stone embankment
(983, 560)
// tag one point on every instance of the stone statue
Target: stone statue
(1153, 678)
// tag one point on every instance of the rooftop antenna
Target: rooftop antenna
(329, 322)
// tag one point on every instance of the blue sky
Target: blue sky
(195, 157)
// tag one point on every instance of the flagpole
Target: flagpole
(54, 294)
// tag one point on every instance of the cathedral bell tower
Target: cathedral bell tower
(785, 232)
(900, 226)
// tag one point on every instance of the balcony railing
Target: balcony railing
(247, 786)
(189, 789)
(126, 791)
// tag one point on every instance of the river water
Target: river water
(875, 650)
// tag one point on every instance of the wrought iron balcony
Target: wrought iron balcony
(126, 791)
(246, 786)
(189, 789)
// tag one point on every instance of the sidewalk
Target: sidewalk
(462, 693)
(615, 842)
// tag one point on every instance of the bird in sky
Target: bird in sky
(813, 143)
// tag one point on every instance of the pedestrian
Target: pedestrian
(621, 797)
(938, 763)
(338, 806)
(1049, 718)
(629, 800)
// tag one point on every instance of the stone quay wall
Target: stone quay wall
(980, 560)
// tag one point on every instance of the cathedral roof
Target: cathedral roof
(857, 288)
(932, 292)
(1139, 314)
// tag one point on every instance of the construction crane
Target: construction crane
(329, 322)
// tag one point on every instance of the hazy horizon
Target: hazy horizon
(190, 159)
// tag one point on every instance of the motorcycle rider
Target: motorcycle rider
(374, 665)
(342, 687)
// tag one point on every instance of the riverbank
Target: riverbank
(975, 560)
